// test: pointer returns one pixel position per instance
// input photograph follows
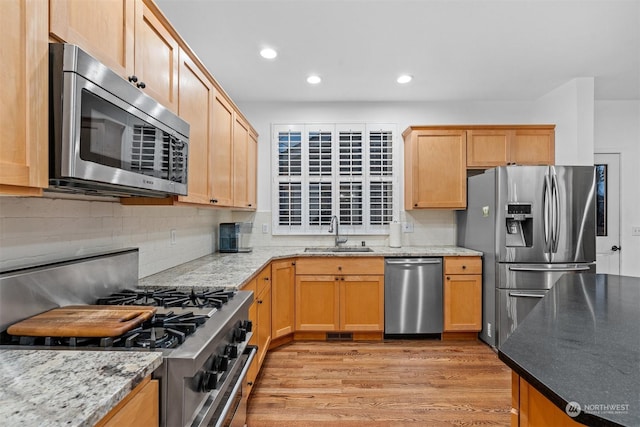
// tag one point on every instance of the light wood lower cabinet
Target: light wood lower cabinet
(260, 313)
(462, 294)
(283, 279)
(349, 298)
(530, 408)
(141, 407)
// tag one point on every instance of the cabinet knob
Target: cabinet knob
(133, 79)
(250, 383)
(293, 263)
(464, 267)
(340, 268)
(213, 201)
(249, 205)
(342, 278)
(336, 278)
(259, 301)
(265, 278)
(448, 278)
(141, 85)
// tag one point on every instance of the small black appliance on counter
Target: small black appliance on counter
(234, 237)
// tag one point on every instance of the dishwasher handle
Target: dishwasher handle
(396, 261)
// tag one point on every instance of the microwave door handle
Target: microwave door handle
(525, 295)
(552, 269)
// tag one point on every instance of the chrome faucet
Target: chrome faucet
(339, 239)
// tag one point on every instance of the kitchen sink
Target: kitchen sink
(339, 249)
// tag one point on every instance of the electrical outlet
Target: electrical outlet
(635, 231)
(407, 227)
(265, 228)
(172, 233)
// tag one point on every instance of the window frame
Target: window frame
(335, 178)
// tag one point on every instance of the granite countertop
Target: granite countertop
(231, 271)
(67, 388)
(581, 344)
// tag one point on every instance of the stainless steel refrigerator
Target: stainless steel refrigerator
(533, 224)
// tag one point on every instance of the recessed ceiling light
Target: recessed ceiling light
(405, 78)
(268, 53)
(313, 79)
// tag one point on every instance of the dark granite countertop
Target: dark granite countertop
(581, 344)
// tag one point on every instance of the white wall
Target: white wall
(617, 130)
(565, 107)
(37, 230)
(570, 107)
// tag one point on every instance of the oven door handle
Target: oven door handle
(236, 387)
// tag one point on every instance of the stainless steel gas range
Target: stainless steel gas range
(203, 334)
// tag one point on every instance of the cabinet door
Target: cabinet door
(156, 57)
(240, 163)
(437, 172)
(103, 28)
(533, 147)
(282, 298)
(222, 153)
(488, 148)
(462, 302)
(362, 303)
(252, 171)
(139, 407)
(264, 324)
(24, 121)
(317, 303)
(194, 106)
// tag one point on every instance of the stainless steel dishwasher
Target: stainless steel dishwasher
(412, 296)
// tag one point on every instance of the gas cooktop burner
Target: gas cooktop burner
(168, 298)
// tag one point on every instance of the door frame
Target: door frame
(619, 219)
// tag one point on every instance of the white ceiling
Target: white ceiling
(456, 50)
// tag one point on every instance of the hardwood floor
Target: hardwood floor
(392, 383)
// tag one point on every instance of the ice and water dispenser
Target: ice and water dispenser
(519, 223)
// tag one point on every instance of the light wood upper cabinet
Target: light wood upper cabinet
(126, 35)
(222, 149)
(244, 165)
(435, 169)
(24, 95)
(489, 146)
(533, 147)
(462, 294)
(104, 28)
(195, 106)
(156, 57)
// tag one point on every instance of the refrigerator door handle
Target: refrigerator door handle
(525, 294)
(555, 214)
(546, 199)
(550, 269)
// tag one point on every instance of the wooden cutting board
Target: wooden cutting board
(83, 321)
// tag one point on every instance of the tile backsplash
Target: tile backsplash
(39, 230)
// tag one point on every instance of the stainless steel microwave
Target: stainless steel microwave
(107, 137)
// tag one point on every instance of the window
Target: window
(334, 169)
(601, 200)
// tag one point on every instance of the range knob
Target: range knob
(231, 350)
(222, 363)
(240, 335)
(247, 325)
(209, 381)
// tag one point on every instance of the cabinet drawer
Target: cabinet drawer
(462, 265)
(263, 280)
(340, 265)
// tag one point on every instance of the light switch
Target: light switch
(485, 211)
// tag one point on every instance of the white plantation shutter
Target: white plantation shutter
(329, 169)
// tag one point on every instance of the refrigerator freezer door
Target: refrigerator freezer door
(513, 307)
(536, 276)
